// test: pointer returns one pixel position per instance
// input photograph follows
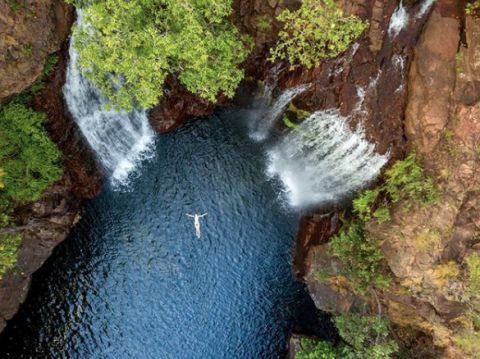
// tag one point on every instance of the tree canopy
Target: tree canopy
(28, 158)
(317, 30)
(128, 48)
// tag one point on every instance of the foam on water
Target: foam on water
(424, 8)
(323, 161)
(398, 21)
(120, 140)
(271, 110)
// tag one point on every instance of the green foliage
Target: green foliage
(367, 337)
(129, 48)
(360, 254)
(363, 338)
(364, 203)
(469, 342)
(311, 349)
(8, 251)
(27, 155)
(361, 257)
(29, 161)
(405, 181)
(13, 4)
(316, 31)
(287, 122)
(473, 263)
(382, 214)
(472, 7)
(27, 50)
(263, 23)
(39, 84)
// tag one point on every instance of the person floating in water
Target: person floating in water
(196, 222)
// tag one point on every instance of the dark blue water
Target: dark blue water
(133, 281)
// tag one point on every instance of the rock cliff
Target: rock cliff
(46, 223)
(425, 248)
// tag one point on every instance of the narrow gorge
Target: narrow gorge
(330, 145)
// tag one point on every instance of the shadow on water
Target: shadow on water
(133, 281)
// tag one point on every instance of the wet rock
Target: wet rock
(177, 105)
(83, 173)
(313, 230)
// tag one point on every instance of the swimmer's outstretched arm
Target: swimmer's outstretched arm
(203, 215)
(190, 215)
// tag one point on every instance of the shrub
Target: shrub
(363, 337)
(473, 263)
(8, 251)
(27, 155)
(128, 48)
(405, 181)
(472, 7)
(367, 337)
(316, 31)
(469, 342)
(263, 23)
(311, 349)
(361, 257)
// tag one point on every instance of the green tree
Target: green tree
(9, 244)
(128, 48)
(361, 257)
(311, 349)
(27, 155)
(367, 337)
(317, 30)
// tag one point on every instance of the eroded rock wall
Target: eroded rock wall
(425, 246)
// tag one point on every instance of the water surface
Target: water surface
(133, 281)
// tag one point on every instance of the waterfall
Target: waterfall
(398, 21)
(271, 110)
(323, 161)
(424, 8)
(120, 140)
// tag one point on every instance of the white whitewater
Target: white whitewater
(120, 140)
(322, 161)
(398, 21)
(425, 7)
(271, 110)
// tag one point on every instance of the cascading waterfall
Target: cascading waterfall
(120, 140)
(398, 21)
(322, 160)
(271, 110)
(424, 8)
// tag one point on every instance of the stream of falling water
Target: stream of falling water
(270, 110)
(120, 139)
(323, 161)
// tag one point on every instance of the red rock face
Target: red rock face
(314, 230)
(82, 175)
(29, 31)
(178, 105)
